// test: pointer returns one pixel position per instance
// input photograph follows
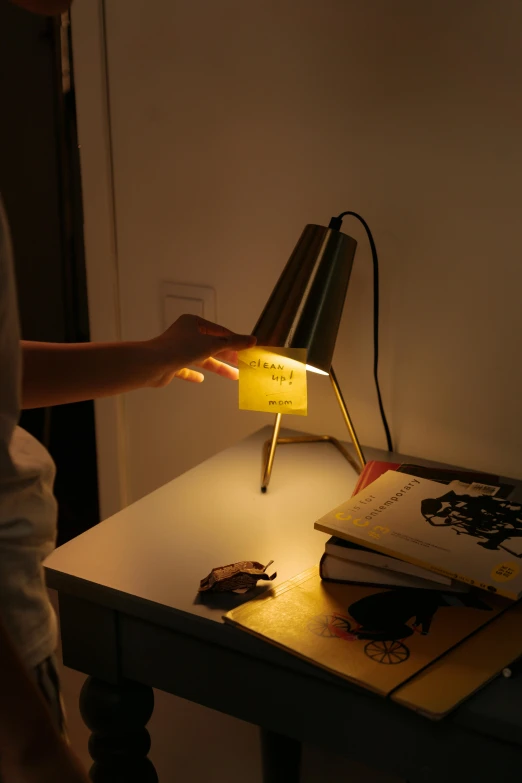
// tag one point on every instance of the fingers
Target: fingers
(236, 342)
(210, 328)
(227, 356)
(189, 375)
(217, 367)
(210, 364)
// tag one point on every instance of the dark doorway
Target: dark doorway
(40, 185)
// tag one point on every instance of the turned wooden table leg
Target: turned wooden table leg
(119, 743)
(280, 758)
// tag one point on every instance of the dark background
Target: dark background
(40, 185)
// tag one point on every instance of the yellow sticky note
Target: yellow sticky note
(273, 380)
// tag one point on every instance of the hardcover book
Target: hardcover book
(356, 553)
(381, 638)
(448, 529)
(475, 482)
(334, 569)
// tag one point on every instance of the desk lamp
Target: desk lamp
(304, 311)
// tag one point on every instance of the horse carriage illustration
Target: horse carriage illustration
(493, 520)
(383, 620)
(338, 626)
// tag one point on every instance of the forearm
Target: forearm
(57, 373)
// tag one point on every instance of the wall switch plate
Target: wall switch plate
(180, 298)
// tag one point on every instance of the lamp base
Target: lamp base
(270, 446)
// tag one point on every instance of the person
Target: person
(33, 748)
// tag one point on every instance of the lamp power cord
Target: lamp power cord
(336, 223)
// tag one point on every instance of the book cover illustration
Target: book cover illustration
(377, 638)
(473, 482)
(468, 537)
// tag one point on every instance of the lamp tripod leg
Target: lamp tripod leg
(269, 453)
(271, 445)
(346, 417)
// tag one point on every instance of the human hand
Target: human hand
(193, 341)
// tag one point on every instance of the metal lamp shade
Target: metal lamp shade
(305, 307)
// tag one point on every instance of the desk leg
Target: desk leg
(280, 758)
(119, 743)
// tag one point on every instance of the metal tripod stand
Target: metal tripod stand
(270, 445)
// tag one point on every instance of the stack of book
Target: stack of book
(413, 602)
(437, 529)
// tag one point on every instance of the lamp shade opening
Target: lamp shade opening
(316, 370)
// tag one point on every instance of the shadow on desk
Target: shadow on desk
(228, 601)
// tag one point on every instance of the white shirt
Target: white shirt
(28, 509)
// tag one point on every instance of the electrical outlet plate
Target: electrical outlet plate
(180, 298)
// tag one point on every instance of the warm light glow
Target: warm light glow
(314, 369)
(273, 380)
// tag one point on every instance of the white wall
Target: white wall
(234, 123)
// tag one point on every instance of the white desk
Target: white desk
(157, 549)
(132, 619)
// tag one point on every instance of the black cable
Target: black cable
(336, 223)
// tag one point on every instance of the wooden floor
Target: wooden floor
(194, 744)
